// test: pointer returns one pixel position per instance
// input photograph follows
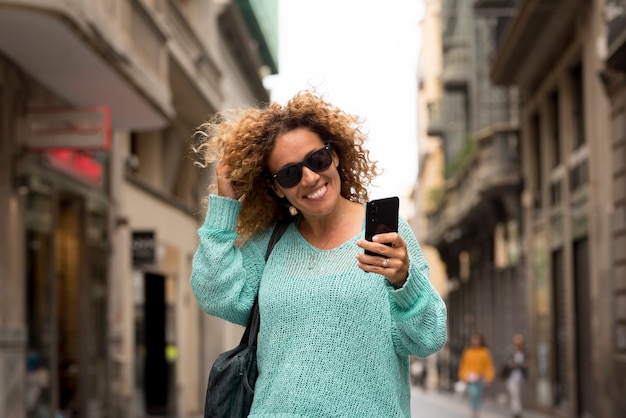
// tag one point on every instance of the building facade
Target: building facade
(430, 169)
(615, 73)
(100, 197)
(474, 216)
(573, 198)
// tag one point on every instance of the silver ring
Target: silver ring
(386, 263)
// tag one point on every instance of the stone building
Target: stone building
(474, 217)
(430, 169)
(100, 199)
(566, 59)
(565, 289)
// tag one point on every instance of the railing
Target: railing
(493, 167)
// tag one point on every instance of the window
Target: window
(578, 103)
(536, 144)
(556, 132)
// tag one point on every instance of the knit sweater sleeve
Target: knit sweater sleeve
(225, 278)
(418, 312)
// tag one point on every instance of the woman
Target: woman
(476, 369)
(516, 367)
(336, 331)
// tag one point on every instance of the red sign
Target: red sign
(79, 164)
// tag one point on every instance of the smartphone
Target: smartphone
(381, 215)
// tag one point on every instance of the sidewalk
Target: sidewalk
(490, 409)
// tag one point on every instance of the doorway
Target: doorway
(155, 375)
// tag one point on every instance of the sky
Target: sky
(362, 55)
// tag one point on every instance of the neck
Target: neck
(320, 231)
(321, 226)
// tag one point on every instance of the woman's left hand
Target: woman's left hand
(393, 261)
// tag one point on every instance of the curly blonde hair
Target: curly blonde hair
(244, 138)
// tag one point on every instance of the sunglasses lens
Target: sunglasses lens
(319, 161)
(291, 175)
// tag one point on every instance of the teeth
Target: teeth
(317, 193)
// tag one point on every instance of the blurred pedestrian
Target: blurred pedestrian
(476, 370)
(37, 386)
(419, 372)
(337, 325)
(515, 371)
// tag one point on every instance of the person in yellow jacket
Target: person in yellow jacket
(476, 369)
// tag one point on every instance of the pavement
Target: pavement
(432, 403)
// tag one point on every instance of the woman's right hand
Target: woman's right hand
(224, 185)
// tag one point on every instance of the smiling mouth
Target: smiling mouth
(317, 193)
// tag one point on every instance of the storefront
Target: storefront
(66, 256)
(86, 331)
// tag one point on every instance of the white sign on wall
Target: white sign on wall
(87, 128)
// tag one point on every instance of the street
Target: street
(430, 403)
(434, 404)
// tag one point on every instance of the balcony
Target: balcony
(243, 47)
(523, 56)
(490, 174)
(194, 75)
(95, 53)
(435, 122)
(455, 74)
(261, 18)
(617, 42)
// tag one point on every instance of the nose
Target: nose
(308, 176)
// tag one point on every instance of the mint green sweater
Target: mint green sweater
(334, 340)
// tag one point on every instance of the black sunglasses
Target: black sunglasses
(290, 175)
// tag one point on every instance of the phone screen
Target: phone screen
(381, 215)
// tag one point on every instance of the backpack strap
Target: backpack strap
(252, 328)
